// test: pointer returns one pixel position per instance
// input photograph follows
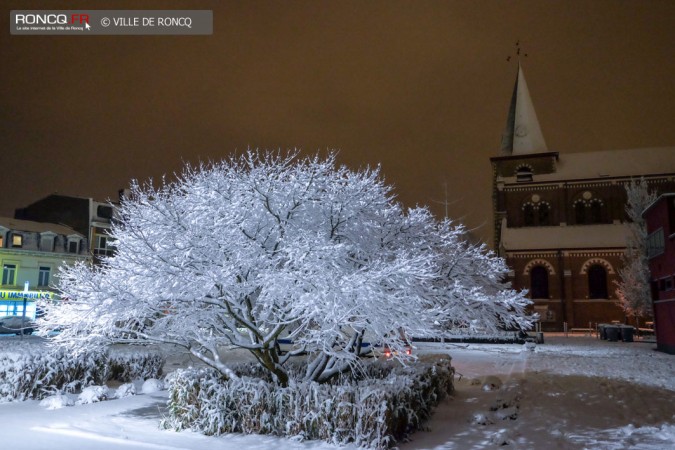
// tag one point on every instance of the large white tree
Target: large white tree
(241, 252)
(633, 288)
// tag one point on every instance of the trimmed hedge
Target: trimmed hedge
(35, 371)
(376, 411)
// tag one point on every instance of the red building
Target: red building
(660, 218)
(560, 220)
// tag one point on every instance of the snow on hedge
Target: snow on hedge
(34, 371)
(388, 402)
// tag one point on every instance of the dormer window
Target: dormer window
(17, 240)
(524, 174)
(73, 244)
(4, 233)
(47, 242)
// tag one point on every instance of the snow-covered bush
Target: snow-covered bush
(31, 370)
(93, 394)
(131, 363)
(152, 385)
(377, 410)
(255, 248)
(125, 390)
(56, 401)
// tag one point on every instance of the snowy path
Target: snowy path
(129, 423)
(569, 393)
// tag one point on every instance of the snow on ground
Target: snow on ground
(569, 393)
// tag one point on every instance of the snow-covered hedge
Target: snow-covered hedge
(374, 412)
(35, 371)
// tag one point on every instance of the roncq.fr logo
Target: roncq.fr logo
(52, 19)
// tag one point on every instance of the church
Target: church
(560, 220)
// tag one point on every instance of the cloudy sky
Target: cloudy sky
(420, 87)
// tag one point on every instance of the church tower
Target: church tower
(559, 220)
(522, 134)
(523, 150)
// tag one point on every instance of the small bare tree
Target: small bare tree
(633, 287)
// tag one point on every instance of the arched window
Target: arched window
(539, 282)
(528, 214)
(523, 173)
(579, 213)
(544, 214)
(596, 211)
(597, 281)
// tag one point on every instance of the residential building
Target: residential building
(30, 256)
(91, 218)
(559, 217)
(660, 218)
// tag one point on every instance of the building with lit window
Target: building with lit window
(660, 219)
(86, 216)
(32, 252)
(559, 217)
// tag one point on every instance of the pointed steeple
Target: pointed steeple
(522, 134)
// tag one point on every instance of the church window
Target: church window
(528, 214)
(597, 282)
(596, 211)
(544, 214)
(539, 282)
(579, 213)
(523, 173)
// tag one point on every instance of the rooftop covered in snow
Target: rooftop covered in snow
(609, 164)
(36, 227)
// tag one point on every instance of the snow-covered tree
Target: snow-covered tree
(633, 288)
(244, 251)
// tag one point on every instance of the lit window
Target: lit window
(17, 240)
(43, 276)
(2, 241)
(8, 274)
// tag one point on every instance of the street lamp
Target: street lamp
(25, 300)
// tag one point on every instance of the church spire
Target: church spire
(522, 134)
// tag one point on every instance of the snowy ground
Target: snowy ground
(569, 393)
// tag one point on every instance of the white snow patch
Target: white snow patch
(125, 390)
(93, 394)
(561, 391)
(152, 385)
(56, 401)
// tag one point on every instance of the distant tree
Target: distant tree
(633, 288)
(240, 252)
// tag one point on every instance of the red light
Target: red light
(408, 351)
